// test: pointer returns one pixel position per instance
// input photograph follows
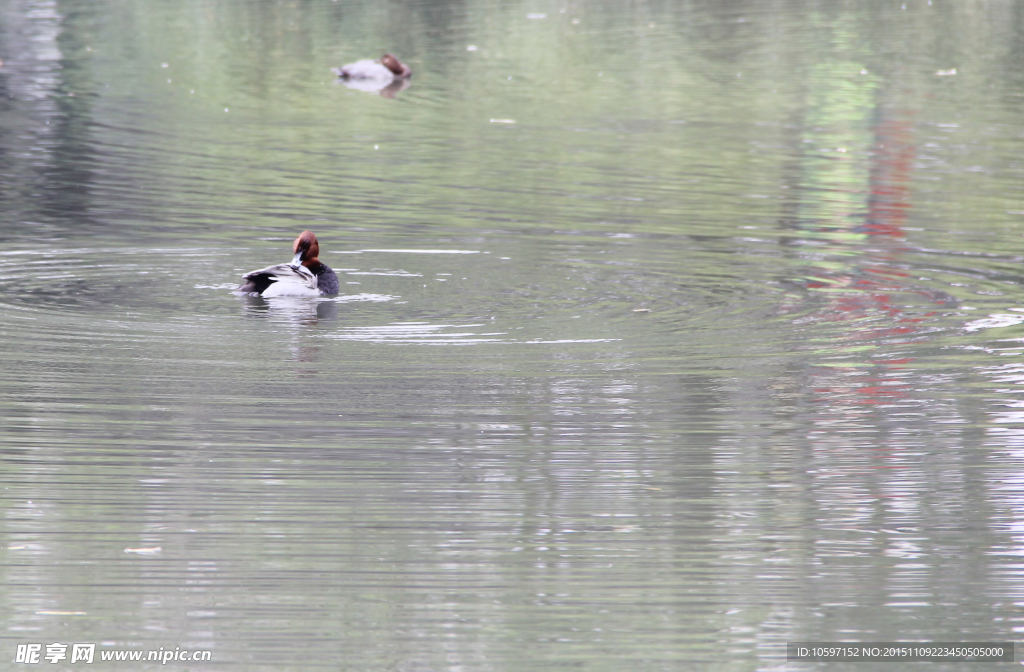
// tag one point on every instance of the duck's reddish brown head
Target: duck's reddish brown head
(306, 249)
(400, 69)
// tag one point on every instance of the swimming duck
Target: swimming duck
(305, 275)
(385, 70)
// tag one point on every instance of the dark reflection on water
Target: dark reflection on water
(667, 333)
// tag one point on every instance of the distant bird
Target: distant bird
(305, 275)
(387, 69)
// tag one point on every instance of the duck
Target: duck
(386, 70)
(304, 275)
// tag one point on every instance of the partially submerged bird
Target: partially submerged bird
(305, 275)
(385, 70)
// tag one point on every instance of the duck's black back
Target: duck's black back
(326, 280)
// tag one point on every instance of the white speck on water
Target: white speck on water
(152, 550)
(471, 47)
(225, 109)
(165, 65)
(537, 16)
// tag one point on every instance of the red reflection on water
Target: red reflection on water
(873, 296)
(891, 168)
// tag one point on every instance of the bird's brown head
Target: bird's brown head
(394, 65)
(306, 249)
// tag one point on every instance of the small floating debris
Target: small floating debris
(471, 47)
(144, 551)
(537, 15)
(945, 73)
(503, 121)
(641, 310)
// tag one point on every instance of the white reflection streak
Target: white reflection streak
(993, 321)
(434, 334)
(1012, 374)
(412, 251)
(1006, 431)
(415, 332)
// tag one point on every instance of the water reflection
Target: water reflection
(292, 310)
(46, 164)
(386, 89)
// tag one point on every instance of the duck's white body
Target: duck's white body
(366, 70)
(287, 280)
